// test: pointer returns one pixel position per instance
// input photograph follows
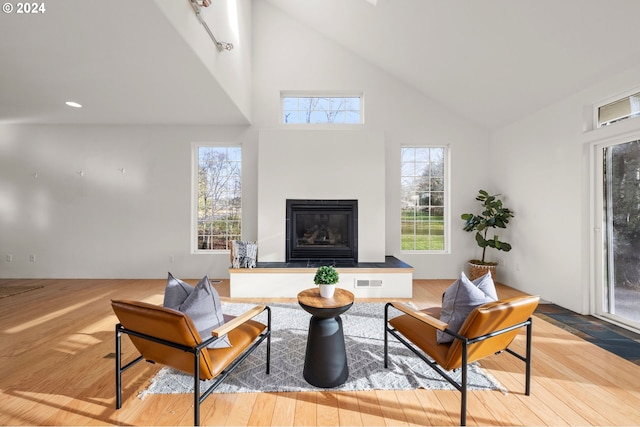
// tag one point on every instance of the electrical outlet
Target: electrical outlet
(32, 258)
(9, 258)
(172, 258)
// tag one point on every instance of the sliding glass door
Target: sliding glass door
(619, 290)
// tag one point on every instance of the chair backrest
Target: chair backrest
(165, 324)
(489, 318)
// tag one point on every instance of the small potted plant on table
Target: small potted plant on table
(326, 277)
(493, 215)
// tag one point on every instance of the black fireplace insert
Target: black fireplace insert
(322, 230)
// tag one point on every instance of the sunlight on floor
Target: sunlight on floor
(76, 343)
(51, 316)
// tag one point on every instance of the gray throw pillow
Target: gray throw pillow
(176, 292)
(461, 298)
(485, 284)
(201, 303)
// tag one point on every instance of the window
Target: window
(307, 109)
(618, 242)
(621, 109)
(423, 199)
(219, 197)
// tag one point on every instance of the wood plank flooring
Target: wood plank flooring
(57, 368)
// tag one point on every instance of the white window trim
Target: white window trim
(195, 147)
(321, 94)
(447, 203)
(607, 101)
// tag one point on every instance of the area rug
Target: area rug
(363, 327)
(8, 291)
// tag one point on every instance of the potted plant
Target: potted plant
(326, 277)
(493, 215)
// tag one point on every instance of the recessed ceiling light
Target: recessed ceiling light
(73, 104)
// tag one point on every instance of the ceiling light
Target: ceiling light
(224, 45)
(73, 104)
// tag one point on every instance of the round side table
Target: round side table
(325, 363)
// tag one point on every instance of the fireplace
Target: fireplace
(322, 230)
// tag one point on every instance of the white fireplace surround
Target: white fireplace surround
(321, 164)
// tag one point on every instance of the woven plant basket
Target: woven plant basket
(479, 270)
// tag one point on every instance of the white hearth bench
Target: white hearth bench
(390, 279)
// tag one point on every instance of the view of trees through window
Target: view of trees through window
(423, 198)
(306, 109)
(219, 197)
(622, 207)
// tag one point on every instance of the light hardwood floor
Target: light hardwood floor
(57, 369)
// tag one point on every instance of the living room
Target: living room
(86, 195)
(107, 223)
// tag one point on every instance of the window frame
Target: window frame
(320, 94)
(597, 220)
(195, 164)
(621, 96)
(446, 217)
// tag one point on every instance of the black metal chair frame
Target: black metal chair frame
(466, 342)
(198, 397)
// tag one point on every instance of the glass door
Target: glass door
(620, 290)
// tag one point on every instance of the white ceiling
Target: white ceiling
(121, 59)
(491, 61)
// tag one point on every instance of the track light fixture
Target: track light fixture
(197, 6)
(224, 45)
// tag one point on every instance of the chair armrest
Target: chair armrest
(419, 315)
(237, 321)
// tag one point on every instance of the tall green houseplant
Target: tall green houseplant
(493, 215)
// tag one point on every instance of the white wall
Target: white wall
(105, 223)
(330, 165)
(542, 164)
(288, 56)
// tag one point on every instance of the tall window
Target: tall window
(219, 197)
(423, 198)
(619, 284)
(307, 109)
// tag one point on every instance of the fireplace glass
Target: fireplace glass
(321, 229)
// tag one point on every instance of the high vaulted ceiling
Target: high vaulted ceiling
(490, 61)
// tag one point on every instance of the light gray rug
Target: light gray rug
(364, 338)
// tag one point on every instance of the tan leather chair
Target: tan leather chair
(168, 337)
(489, 329)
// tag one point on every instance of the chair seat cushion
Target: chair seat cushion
(461, 298)
(240, 338)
